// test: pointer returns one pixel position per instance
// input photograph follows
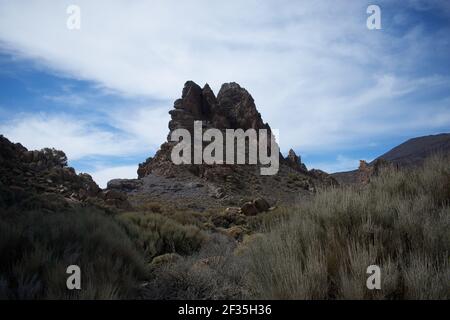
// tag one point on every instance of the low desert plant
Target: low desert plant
(36, 247)
(400, 222)
(157, 234)
(213, 272)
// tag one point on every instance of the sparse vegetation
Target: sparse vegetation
(400, 222)
(157, 234)
(320, 249)
(214, 272)
(36, 247)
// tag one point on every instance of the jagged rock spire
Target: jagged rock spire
(295, 161)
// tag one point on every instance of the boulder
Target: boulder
(249, 209)
(261, 204)
(115, 195)
(124, 185)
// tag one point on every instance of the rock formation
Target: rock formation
(28, 174)
(367, 171)
(233, 108)
(295, 162)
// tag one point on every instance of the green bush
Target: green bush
(400, 222)
(157, 234)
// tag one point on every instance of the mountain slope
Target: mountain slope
(410, 153)
(414, 151)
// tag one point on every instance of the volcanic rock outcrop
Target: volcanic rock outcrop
(233, 108)
(367, 171)
(27, 176)
(295, 162)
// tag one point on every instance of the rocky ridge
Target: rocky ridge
(29, 176)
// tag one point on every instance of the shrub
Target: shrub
(400, 222)
(36, 247)
(157, 234)
(212, 273)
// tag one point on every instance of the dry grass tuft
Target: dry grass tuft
(400, 222)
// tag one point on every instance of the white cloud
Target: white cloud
(76, 137)
(105, 174)
(342, 163)
(66, 99)
(148, 124)
(131, 133)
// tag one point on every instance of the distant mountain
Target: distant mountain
(414, 151)
(410, 153)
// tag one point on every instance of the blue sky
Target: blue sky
(336, 91)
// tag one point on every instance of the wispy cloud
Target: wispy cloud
(143, 129)
(104, 174)
(338, 164)
(67, 99)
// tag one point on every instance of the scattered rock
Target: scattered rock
(216, 192)
(115, 195)
(249, 209)
(125, 185)
(117, 199)
(261, 204)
